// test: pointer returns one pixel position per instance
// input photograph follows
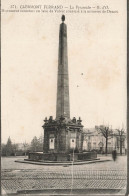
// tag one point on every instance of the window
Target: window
(123, 144)
(109, 144)
(89, 146)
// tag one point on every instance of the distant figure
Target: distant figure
(125, 151)
(114, 155)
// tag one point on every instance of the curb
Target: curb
(63, 163)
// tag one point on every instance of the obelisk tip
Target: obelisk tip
(63, 18)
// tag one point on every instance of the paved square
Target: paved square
(98, 176)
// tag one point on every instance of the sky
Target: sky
(96, 61)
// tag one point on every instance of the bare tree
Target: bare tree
(26, 146)
(15, 148)
(34, 144)
(37, 144)
(40, 143)
(121, 138)
(106, 132)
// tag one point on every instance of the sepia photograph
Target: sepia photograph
(64, 97)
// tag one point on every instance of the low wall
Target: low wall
(60, 157)
(87, 156)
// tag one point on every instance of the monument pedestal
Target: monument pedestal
(63, 140)
(62, 135)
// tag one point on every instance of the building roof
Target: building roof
(94, 131)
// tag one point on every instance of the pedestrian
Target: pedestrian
(114, 155)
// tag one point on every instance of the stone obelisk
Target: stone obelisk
(62, 105)
(62, 135)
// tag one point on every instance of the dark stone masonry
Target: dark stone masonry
(60, 136)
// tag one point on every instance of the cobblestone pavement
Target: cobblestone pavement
(84, 177)
(13, 180)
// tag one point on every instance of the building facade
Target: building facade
(94, 140)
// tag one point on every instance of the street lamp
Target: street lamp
(72, 147)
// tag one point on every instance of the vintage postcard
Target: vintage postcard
(64, 97)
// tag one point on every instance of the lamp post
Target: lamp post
(72, 170)
(73, 147)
